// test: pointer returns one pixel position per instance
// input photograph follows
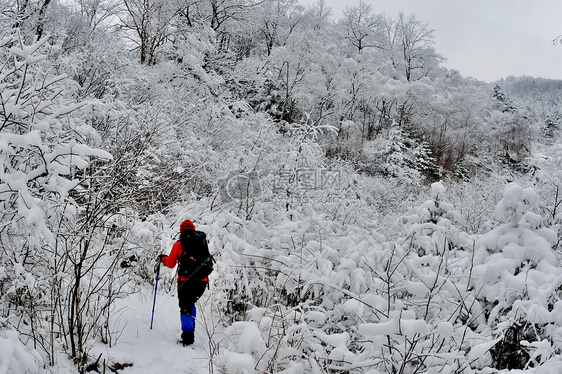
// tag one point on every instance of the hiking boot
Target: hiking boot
(187, 338)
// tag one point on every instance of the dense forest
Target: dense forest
(370, 210)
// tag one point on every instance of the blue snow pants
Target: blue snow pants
(189, 291)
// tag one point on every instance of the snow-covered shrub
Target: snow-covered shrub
(424, 306)
(475, 203)
(294, 277)
(432, 229)
(549, 188)
(517, 279)
(61, 237)
(398, 155)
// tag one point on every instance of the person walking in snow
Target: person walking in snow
(191, 254)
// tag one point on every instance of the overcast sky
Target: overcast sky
(484, 39)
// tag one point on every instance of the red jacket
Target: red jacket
(173, 258)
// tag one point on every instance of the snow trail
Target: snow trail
(154, 351)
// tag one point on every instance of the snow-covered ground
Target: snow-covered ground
(154, 350)
(138, 348)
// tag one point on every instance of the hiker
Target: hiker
(195, 264)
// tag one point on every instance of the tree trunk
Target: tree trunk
(41, 20)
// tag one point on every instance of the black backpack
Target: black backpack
(195, 261)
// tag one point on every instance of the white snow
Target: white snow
(445, 329)
(15, 357)
(154, 351)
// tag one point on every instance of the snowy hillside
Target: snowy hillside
(369, 210)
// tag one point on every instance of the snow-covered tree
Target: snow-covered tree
(362, 26)
(46, 147)
(415, 47)
(516, 278)
(150, 23)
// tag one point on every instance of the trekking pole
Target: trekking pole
(155, 289)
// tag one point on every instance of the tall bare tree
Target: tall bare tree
(416, 46)
(150, 20)
(362, 26)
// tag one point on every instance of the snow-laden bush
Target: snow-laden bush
(550, 188)
(424, 321)
(290, 277)
(45, 148)
(517, 279)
